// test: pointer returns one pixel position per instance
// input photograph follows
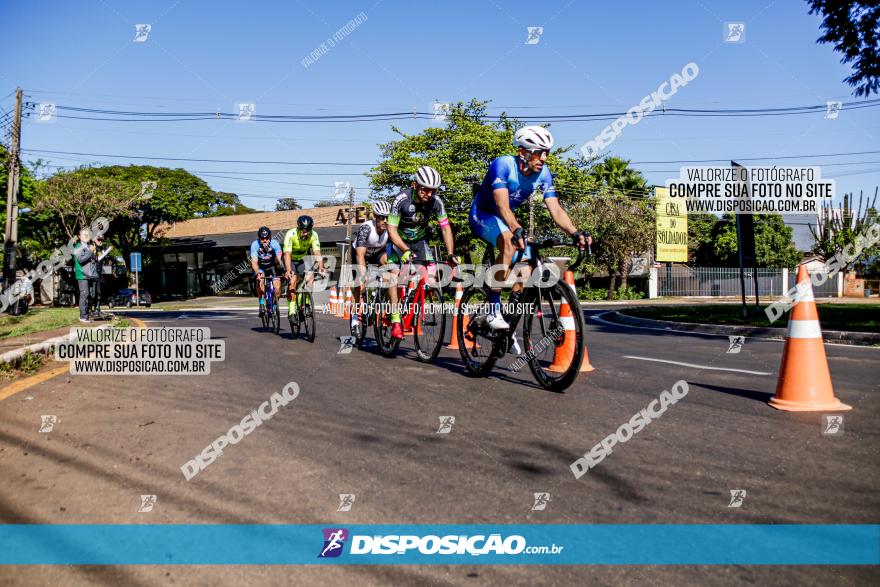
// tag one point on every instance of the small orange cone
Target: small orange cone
(804, 380)
(346, 315)
(333, 300)
(453, 340)
(339, 309)
(563, 355)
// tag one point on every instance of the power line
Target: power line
(140, 116)
(256, 162)
(199, 160)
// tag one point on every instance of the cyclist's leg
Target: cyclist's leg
(261, 289)
(393, 257)
(292, 295)
(493, 229)
(276, 281)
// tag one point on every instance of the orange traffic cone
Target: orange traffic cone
(804, 380)
(340, 303)
(564, 354)
(585, 365)
(333, 300)
(346, 314)
(453, 340)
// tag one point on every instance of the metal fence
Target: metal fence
(716, 281)
(724, 281)
(828, 289)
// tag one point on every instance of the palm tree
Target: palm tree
(616, 174)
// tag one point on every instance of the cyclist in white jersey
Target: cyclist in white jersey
(369, 245)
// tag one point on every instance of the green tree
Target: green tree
(853, 26)
(461, 151)
(287, 204)
(839, 227)
(328, 203)
(618, 214)
(773, 242)
(701, 250)
(75, 200)
(622, 226)
(230, 206)
(162, 196)
(616, 174)
(38, 231)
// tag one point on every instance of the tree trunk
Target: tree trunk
(612, 284)
(624, 274)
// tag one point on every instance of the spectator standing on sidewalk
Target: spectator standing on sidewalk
(85, 265)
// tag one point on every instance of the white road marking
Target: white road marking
(598, 318)
(697, 366)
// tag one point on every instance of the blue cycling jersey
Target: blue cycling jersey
(265, 257)
(504, 173)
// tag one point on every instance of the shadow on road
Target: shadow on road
(761, 396)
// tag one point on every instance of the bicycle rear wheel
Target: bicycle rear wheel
(430, 325)
(264, 318)
(476, 341)
(382, 326)
(553, 335)
(366, 316)
(308, 317)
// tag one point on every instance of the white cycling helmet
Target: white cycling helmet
(381, 208)
(533, 138)
(428, 177)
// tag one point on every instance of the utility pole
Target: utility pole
(348, 256)
(10, 235)
(350, 213)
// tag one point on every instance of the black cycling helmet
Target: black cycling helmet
(305, 222)
(264, 232)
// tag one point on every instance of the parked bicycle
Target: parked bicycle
(552, 335)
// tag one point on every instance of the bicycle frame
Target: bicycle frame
(408, 318)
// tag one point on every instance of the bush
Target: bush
(586, 293)
(627, 293)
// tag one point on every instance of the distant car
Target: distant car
(129, 298)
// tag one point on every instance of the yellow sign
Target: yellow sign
(672, 228)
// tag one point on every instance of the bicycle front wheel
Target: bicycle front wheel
(276, 320)
(430, 325)
(308, 317)
(382, 326)
(476, 341)
(553, 335)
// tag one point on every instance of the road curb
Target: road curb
(44, 347)
(836, 336)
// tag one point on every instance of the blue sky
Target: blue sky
(592, 57)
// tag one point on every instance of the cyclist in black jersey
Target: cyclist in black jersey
(265, 255)
(370, 248)
(411, 212)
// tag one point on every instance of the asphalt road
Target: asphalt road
(367, 425)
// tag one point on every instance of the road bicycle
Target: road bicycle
(421, 312)
(270, 315)
(369, 301)
(303, 319)
(552, 334)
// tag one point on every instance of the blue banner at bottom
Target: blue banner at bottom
(624, 544)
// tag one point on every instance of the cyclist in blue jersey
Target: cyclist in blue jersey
(266, 262)
(510, 181)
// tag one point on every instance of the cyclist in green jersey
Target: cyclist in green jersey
(299, 242)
